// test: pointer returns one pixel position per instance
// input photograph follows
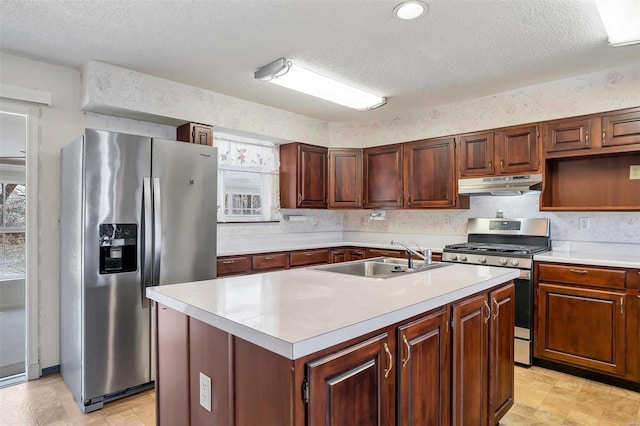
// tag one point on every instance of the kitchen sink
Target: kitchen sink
(379, 267)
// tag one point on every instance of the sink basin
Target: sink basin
(379, 267)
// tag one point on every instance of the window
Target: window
(247, 179)
(13, 209)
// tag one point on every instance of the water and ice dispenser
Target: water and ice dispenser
(118, 247)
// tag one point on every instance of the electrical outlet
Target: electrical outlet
(634, 172)
(584, 223)
(205, 392)
(447, 220)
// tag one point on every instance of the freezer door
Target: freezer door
(116, 348)
(185, 208)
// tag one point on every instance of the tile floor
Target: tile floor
(543, 397)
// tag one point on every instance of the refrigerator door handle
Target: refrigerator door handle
(157, 229)
(147, 239)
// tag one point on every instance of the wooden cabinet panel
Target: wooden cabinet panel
(501, 352)
(581, 327)
(371, 252)
(582, 275)
(429, 173)
(308, 257)
(345, 178)
(382, 176)
(353, 386)
(265, 262)
(356, 254)
(172, 382)
(476, 154)
(232, 265)
(209, 355)
(195, 133)
(303, 176)
(621, 128)
(567, 134)
(338, 255)
(424, 371)
(518, 149)
(470, 361)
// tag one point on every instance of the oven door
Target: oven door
(524, 318)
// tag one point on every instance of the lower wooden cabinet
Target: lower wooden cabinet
(482, 359)
(423, 371)
(353, 386)
(371, 252)
(583, 327)
(308, 257)
(232, 265)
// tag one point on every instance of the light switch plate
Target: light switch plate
(634, 172)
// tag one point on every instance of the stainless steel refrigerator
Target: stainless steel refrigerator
(136, 212)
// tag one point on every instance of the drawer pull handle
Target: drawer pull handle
(268, 258)
(388, 370)
(406, 343)
(579, 271)
(486, 305)
(497, 309)
(621, 305)
(227, 262)
(310, 254)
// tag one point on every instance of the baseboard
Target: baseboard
(54, 369)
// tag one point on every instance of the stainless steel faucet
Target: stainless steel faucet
(425, 254)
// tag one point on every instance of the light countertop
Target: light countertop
(301, 311)
(591, 258)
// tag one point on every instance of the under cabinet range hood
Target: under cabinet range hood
(501, 185)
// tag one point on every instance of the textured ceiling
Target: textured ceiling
(459, 50)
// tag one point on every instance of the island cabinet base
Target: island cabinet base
(435, 367)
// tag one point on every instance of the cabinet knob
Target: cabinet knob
(579, 271)
(490, 166)
(502, 164)
(227, 262)
(604, 137)
(586, 138)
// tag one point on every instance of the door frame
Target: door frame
(32, 114)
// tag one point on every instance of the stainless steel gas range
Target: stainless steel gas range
(509, 243)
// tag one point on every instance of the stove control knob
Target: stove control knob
(482, 259)
(502, 261)
(453, 257)
(515, 262)
(463, 258)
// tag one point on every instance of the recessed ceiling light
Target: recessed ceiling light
(621, 20)
(410, 9)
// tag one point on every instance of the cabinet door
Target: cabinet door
(429, 173)
(233, 265)
(312, 176)
(308, 257)
(383, 176)
(518, 149)
(354, 386)
(195, 133)
(345, 178)
(470, 361)
(399, 254)
(622, 128)
(476, 154)
(501, 347)
(337, 256)
(356, 254)
(583, 327)
(566, 135)
(423, 371)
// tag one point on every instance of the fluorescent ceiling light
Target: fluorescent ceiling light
(410, 9)
(284, 73)
(621, 19)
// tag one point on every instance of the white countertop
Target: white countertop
(301, 311)
(591, 258)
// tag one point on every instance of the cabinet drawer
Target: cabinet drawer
(386, 253)
(597, 277)
(232, 266)
(310, 257)
(261, 262)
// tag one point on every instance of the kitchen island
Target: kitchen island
(307, 346)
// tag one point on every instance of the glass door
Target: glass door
(13, 208)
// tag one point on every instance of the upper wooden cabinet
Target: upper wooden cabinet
(303, 176)
(506, 151)
(605, 133)
(201, 134)
(430, 173)
(476, 154)
(345, 178)
(383, 176)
